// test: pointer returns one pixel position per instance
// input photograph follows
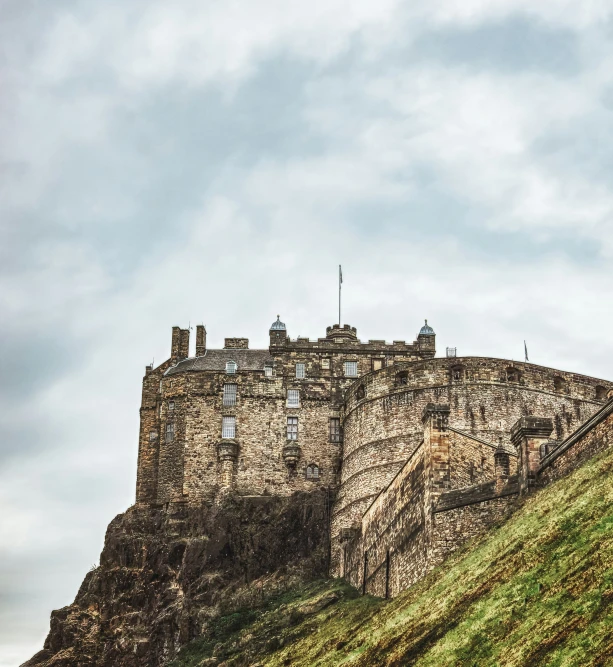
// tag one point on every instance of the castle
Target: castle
(419, 452)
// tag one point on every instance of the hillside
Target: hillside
(537, 590)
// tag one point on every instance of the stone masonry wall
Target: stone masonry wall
(382, 422)
(593, 437)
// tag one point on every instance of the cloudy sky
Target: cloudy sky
(196, 161)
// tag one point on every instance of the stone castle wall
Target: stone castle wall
(419, 469)
(383, 422)
(193, 462)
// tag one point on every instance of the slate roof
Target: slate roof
(215, 360)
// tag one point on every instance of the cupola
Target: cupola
(278, 332)
(426, 330)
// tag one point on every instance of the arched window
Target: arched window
(601, 393)
(312, 472)
(402, 378)
(559, 384)
(231, 367)
(360, 393)
(512, 374)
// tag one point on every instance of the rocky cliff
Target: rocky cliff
(166, 573)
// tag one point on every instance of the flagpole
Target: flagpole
(340, 282)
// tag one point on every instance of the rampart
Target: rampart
(423, 514)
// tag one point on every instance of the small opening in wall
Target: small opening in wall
(601, 393)
(402, 378)
(360, 393)
(559, 384)
(512, 374)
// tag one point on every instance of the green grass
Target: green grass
(537, 590)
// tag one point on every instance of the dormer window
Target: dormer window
(231, 367)
(268, 371)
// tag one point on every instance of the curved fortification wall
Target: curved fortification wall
(382, 416)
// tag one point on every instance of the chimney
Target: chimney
(180, 344)
(200, 340)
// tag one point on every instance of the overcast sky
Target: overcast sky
(163, 163)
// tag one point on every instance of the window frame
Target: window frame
(293, 394)
(312, 472)
(169, 431)
(268, 371)
(300, 370)
(291, 428)
(231, 367)
(228, 395)
(346, 365)
(226, 421)
(335, 431)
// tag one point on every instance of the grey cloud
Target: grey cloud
(514, 44)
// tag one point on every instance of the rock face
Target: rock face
(164, 572)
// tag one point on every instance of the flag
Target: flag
(340, 275)
(526, 351)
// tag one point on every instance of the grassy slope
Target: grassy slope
(535, 591)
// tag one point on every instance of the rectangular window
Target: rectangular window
(171, 405)
(335, 430)
(228, 427)
(268, 371)
(351, 369)
(377, 364)
(293, 398)
(153, 435)
(229, 394)
(292, 428)
(170, 432)
(299, 370)
(325, 363)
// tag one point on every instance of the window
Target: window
(402, 377)
(559, 384)
(601, 393)
(171, 405)
(457, 373)
(351, 369)
(360, 393)
(170, 432)
(292, 428)
(312, 472)
(268, 371)
(299, 370)
(335, 430)
(153, 435)
(293, 398)
(325, 363)
(228, 427)
(512, 375)
(229, 394)
(231, 367)
(377, 364)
